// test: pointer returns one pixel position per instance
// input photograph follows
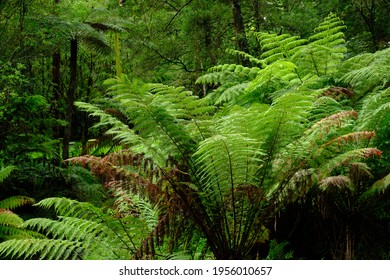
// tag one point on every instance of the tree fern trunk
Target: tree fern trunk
(348, 243)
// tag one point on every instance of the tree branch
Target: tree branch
(176, 14)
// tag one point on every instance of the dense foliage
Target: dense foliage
(194, 130)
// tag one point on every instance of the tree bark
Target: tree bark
(239, 29)
(56, 80)
(70, 97)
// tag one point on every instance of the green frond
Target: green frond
(69, 228)
(128, 203)
(325, 106)
(331, 25)
(116, 127)
(247, 56)
(280, 74)
(285, 120)
(375, 115)
(230, 94)
(105, 27)
(5, 172)
(278, 251)
(49, 249)
(156, 119)
(241, 120)
(11, 225)
(12, 232)
(346, 158)
(68, 207)
(226, 162)
(276, 47)
(8, 218)
(232, 73)
(16, 201)
(381, 185)
(96, 42)
(367, 71)
(325, 51)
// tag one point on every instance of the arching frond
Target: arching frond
(15, 201)
(8, 218)
(228, 73)
(340, 182)
(366, 72)
(247, 56)
(51, 249)
(226, 162)
(278, 47)
(5, 172)
(375, 112)
(72, 208)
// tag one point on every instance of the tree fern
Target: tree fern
(357, 204)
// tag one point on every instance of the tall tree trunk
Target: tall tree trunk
(56, 80)
(239, 30)
(57, 90)
(70, 97)
(117, 49)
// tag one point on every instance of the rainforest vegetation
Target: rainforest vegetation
(194, 129)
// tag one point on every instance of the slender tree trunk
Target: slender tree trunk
(117, 49)
(57, 90)
(56, 76)
(70, 97)
(239, 30)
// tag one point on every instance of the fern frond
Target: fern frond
(330, 29)
(280, 74)
(128, 203)
(15, 201)
(381, 185)
(5, 172)
(232, 73)
(335, 120)
(375, 115)
(8, 218)
(68, 207)
(19, 232)
(247, 56)
(227, 161)
(276, 47)
(50, 249)
(367, 71)
(340, 181)
(284, 120)
(325, 106)
(230, 94)
(347, 157)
